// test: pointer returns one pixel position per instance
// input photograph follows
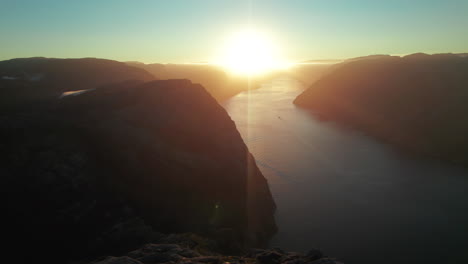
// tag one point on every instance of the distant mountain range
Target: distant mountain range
(77, 73)
(216, 81)
(19, 78)
(31, 80)
(328, 61)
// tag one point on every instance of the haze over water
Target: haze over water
(346, 193)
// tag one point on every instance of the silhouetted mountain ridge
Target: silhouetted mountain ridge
(82, 73)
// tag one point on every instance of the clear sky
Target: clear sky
(190, 30)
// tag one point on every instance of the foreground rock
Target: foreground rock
(110, 169)
(416, 102)
(174, 253)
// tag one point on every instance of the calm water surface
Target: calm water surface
(346, 193)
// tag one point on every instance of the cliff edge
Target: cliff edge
(106, 170)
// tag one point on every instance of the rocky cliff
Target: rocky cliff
(416, 102)
(107, 170)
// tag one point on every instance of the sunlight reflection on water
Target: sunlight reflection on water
(347, 193)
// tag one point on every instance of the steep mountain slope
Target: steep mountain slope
(416, 102)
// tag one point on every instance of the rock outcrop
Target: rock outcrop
(190, 251)
(416, 102)
(105, 171)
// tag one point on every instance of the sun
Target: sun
(250, 52)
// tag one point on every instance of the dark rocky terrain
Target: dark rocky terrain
(416, 102)
(107, 170)
(188, 249)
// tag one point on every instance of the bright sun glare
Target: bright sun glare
(250, 52)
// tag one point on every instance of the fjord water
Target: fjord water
(346, 193)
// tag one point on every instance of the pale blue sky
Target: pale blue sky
(190, 30)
